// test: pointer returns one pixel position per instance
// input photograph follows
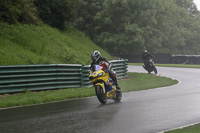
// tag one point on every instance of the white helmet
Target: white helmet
(95, 55)
(145, 52)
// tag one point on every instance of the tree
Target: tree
(58, 13)
(188, 5)
(14, 11)
(86, 20)
(129, 26)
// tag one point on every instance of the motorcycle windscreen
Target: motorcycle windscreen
(97, 67)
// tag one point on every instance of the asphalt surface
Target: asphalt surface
(149, 111)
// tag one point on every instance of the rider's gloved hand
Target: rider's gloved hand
(107, 71)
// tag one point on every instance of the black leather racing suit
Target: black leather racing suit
(146, 57)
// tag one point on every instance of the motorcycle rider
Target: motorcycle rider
(146, 57)
(107, 66)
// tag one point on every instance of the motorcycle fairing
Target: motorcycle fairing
(109, 85)
(104, 81)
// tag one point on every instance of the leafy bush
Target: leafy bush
(14, 11)
(57, 13)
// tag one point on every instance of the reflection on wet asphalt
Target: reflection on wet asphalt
(66, 116)
(149, 111)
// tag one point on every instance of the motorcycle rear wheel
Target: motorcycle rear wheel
(100, 94)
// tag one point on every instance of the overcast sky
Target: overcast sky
(197, 2)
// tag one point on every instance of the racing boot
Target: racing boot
(114, 78)
(118, 89)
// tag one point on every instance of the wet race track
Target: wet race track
(148, 111)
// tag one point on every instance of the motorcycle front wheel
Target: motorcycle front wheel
(100, 94)
(155, 70)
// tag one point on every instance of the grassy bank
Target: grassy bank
(42, 44)
(135, 82)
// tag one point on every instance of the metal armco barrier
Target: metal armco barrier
(121, 68)
(16, 78)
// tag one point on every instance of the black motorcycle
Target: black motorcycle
(149, 66)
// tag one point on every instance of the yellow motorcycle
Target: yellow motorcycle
(104, 85)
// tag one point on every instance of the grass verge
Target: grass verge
(135, 82)
(169, 65)
(190, 129)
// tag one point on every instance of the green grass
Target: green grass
(190, 129)
(169, 65)
(142, 81)
(42, 44)
(44, 96)
(135, 82)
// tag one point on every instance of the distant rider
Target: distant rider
(146, 57)
(107, 66)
